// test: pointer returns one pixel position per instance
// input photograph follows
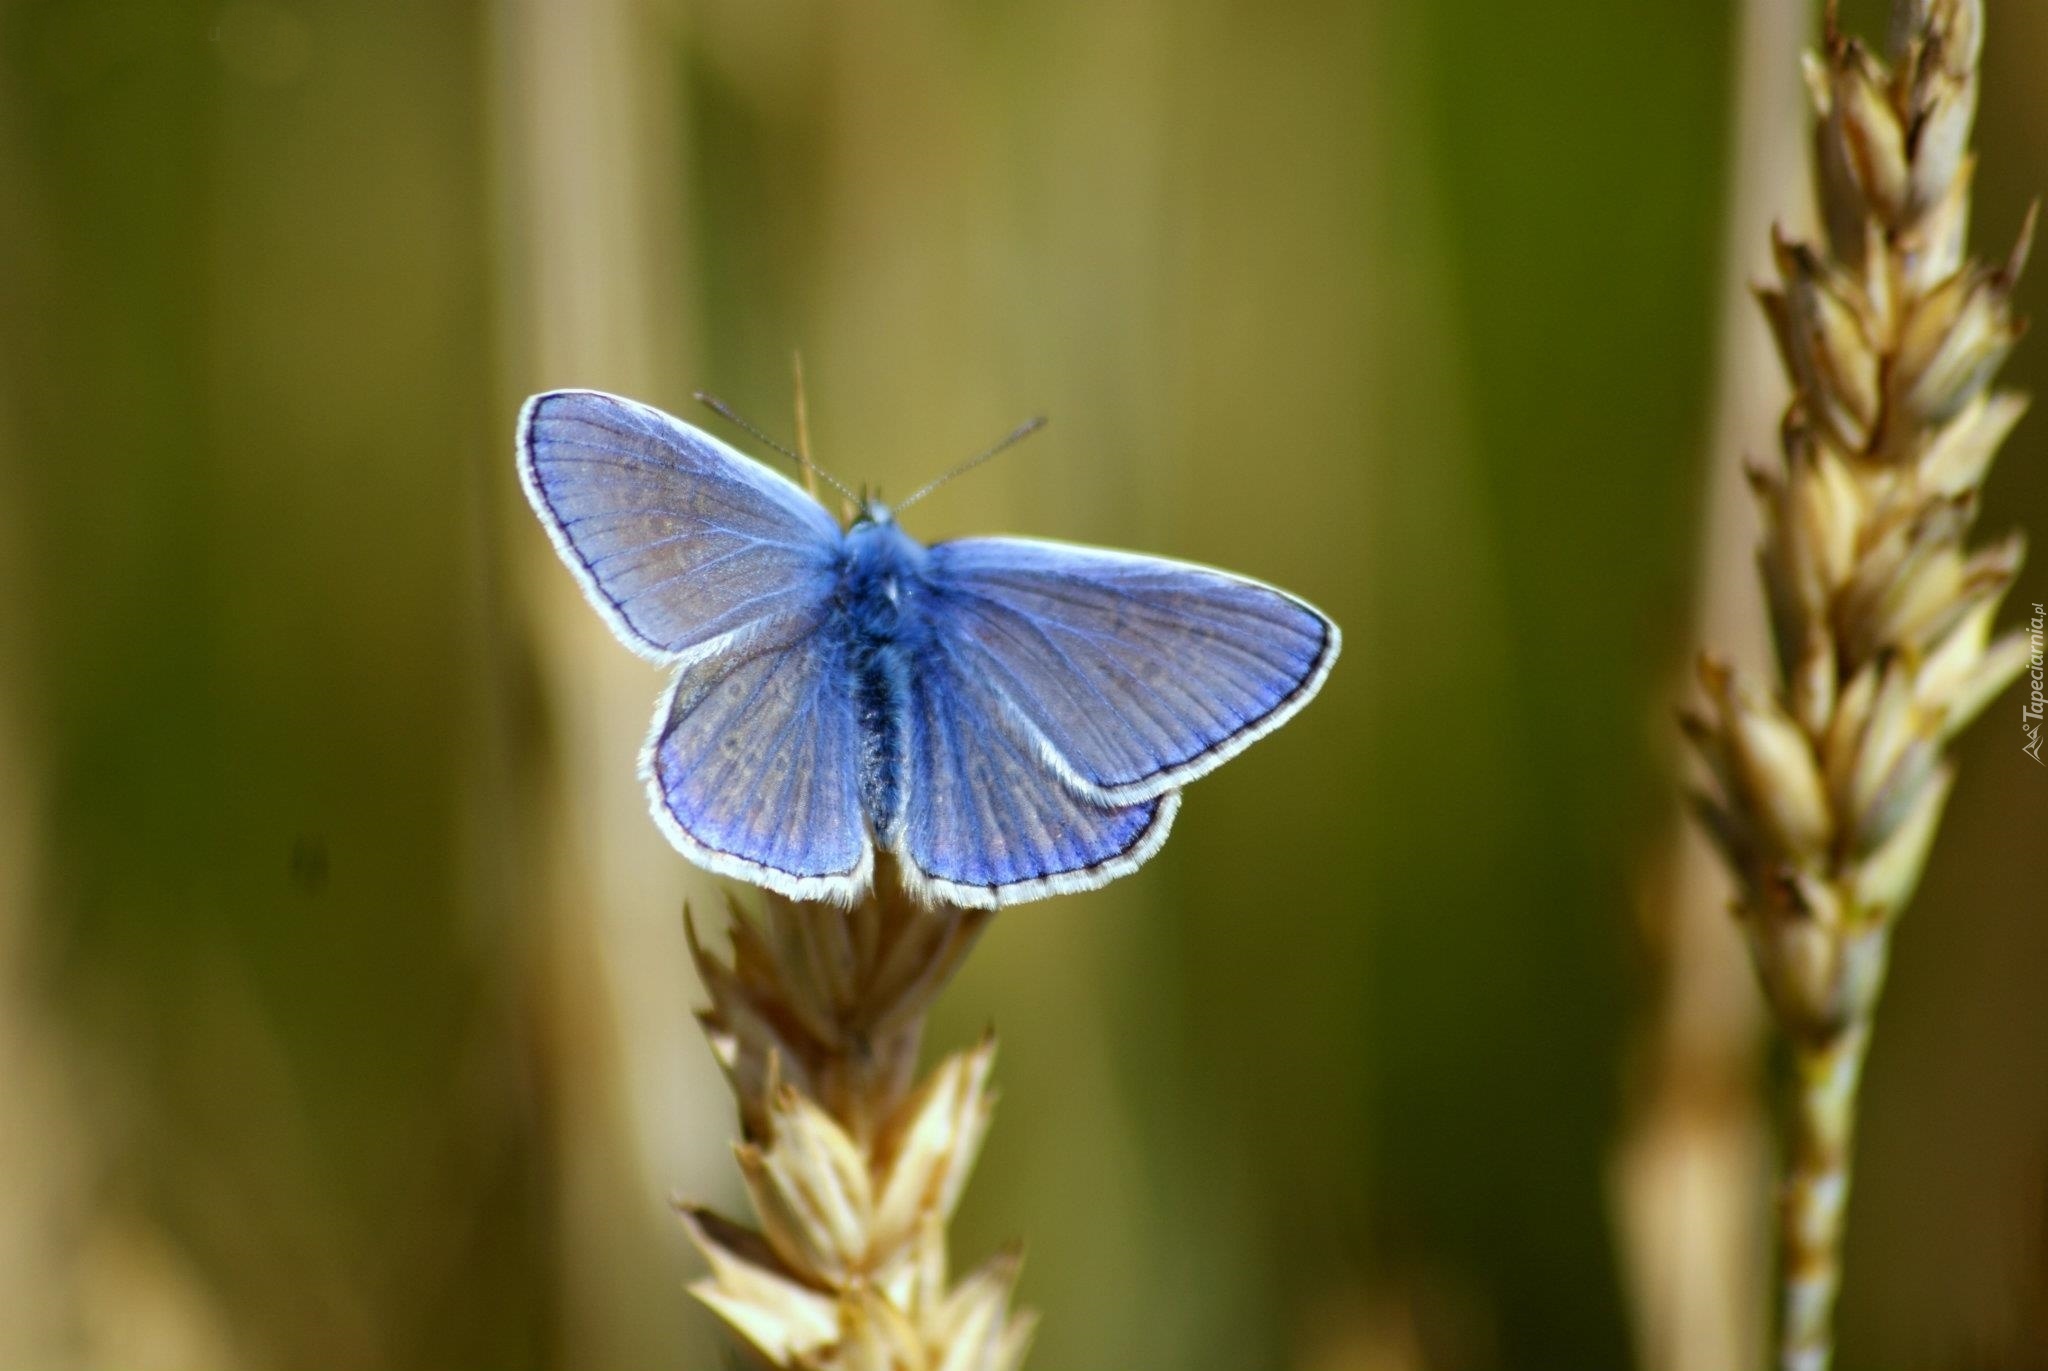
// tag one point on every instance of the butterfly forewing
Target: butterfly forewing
(1135, 674)
(680, 542)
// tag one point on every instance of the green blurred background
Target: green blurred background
(344, 1011)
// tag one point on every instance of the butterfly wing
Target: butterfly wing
(705, 560)
(985, 821)
(682, 544)
(753, 766)
(1130, 675)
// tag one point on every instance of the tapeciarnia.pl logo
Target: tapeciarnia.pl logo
(2037, 696)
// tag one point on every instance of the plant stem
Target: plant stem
(1816, 1192)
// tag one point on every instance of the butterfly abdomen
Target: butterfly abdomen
(880, 588)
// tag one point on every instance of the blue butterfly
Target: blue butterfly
(1009, 718)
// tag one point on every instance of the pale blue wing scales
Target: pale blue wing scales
(1134, 675)
(985, 821)
(679, 541)
(753, 767)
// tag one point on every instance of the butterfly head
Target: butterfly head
(873, 511)
(878, 541)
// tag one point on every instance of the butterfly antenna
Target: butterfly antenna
(1016, 436)
(725, 412)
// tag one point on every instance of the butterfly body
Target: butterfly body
(1010, 718)
(878, 605)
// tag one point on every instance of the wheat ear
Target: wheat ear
(1828, 784)
(852, 1167)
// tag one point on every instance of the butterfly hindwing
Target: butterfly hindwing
(681, 543)
(1133, 674)
(986, 821)
(754, 765)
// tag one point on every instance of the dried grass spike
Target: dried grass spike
(851, 1168)
(1827, 788)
